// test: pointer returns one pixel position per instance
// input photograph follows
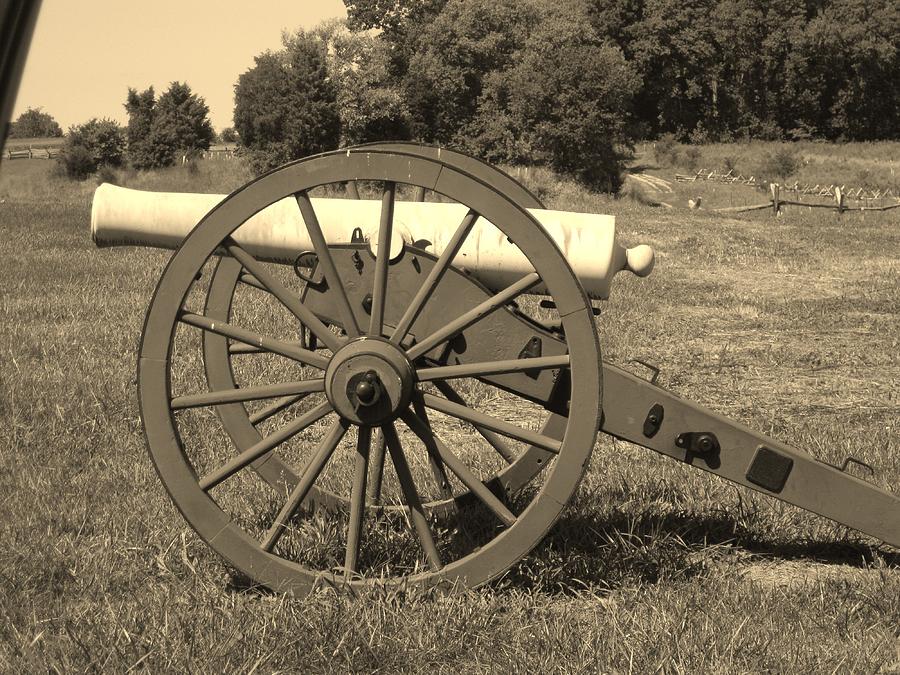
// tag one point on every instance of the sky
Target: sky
(85, 54)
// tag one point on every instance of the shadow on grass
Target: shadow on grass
(641, 168)
(615, 550)
(589, 548)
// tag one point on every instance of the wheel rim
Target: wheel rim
(258, 555)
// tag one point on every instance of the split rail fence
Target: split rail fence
(30, 153)
(839, 195)
(53, 153)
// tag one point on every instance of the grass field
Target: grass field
(791, 325)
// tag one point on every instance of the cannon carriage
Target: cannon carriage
(381, 366)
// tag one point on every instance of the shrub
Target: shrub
(691, 157)
(107, 174)
(76, 161)
(91, 145)
(730, 163)
(665, 150)
(632, 190)
(567, 108)
(780, 164)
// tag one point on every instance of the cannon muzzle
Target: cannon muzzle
(125, 217)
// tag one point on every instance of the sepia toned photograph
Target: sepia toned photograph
(450, 336)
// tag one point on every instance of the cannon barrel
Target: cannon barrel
(126, 217)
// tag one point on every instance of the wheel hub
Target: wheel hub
(369, 381)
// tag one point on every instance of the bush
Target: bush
(691, 157)
(665, 150)
(730, 163)
(77, 162)
(780, 164)
(107, 174)
(91, 145)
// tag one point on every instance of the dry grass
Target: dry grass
(790, 325)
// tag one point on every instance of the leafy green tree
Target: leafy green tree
(228, 135)
(181, 122)
(285, 105)
(844, 75)
(673, 49)
(34, 123)
(89, 146)
(565, 101)
(162, 130)
(371, 105)
(467, 42)
(141, 109)
(400, 24)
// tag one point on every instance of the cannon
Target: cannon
(380, 366)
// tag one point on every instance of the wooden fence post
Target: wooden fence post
(839, 198)
(776, 194)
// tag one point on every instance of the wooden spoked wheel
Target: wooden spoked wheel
(241, 425)
(375, 378)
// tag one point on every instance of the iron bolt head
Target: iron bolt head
(368, 389)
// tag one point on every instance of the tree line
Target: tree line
(570, 84)
(703, 70)
(573, 83)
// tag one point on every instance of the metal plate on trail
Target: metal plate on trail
(769, 469)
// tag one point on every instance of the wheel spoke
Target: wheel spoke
(285, 296)
(411, 497)
(492, 368)
(382, 259)
(494, 440)
(256, 451)
(474, 315)
(324, 255)
(434, 277)
(252, 349)
(357, 500)
(434, 455)
(247, 394)
(477, 418)
(458, 467)
(419, 195)
(274, 408)
(352, 189)
(250, 280)
(377, 462)
(308, 476)
(248, 337)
